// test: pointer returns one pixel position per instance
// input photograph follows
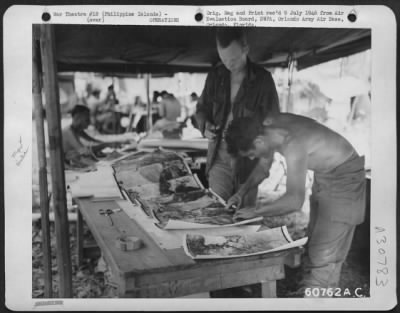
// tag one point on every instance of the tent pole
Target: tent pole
(291, 65)
(289, 106)
(149, 109)
(44, 197)
(50, 84)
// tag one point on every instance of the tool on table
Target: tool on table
(108, 213)
(123, 242)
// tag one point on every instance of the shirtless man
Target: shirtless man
(338, 193)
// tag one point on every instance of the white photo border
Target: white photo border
(17, 43)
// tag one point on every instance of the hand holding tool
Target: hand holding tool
(232, 208)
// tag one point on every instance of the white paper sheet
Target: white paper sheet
(197, 144)
(116, 137)
(99, 184)
(175, 224)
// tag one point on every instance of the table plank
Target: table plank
(204, 268)
(268, 289)
(151, 258)
(79, 239)
(206, 282)
(147, 257)
(155, 272)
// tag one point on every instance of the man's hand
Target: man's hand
(245, 214)
(210, 131)
(234, 202)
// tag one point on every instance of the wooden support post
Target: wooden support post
(79, 238)
(288, 105)
(291, 66)
(149, 108)
(44, 198)
(268, 289)
(352, 112)
(47, 46)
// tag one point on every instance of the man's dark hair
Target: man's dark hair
(241, 133)
(164, 93)
(79, 109)
(225, 36)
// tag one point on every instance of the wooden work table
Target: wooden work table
(155, 272)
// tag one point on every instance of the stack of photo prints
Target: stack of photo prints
(163, 186)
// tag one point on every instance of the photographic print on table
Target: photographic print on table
(167, 190)
(200, 246)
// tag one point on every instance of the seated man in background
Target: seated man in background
(170, 111)
(337, 203)
(191, 109)
(94, 102)
(170, 107)
(107, 115)
(75, 152)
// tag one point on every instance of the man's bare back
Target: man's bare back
(337, 201)
(325, 148)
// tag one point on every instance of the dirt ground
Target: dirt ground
(91, 281)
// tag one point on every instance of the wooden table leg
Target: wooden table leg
(268, 289)
(79, 238)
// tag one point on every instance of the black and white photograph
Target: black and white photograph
(199, 246)
(232, 156)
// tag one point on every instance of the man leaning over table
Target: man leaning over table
(337, 203)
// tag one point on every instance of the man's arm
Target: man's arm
(269, 98)
(203, 106)
(257, 175)
(85, 136)
(293, 199)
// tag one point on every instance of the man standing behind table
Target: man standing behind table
(337, 203)
(236, 88)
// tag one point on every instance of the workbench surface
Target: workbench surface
(152, 271)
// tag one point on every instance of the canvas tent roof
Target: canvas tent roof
(155, 49)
